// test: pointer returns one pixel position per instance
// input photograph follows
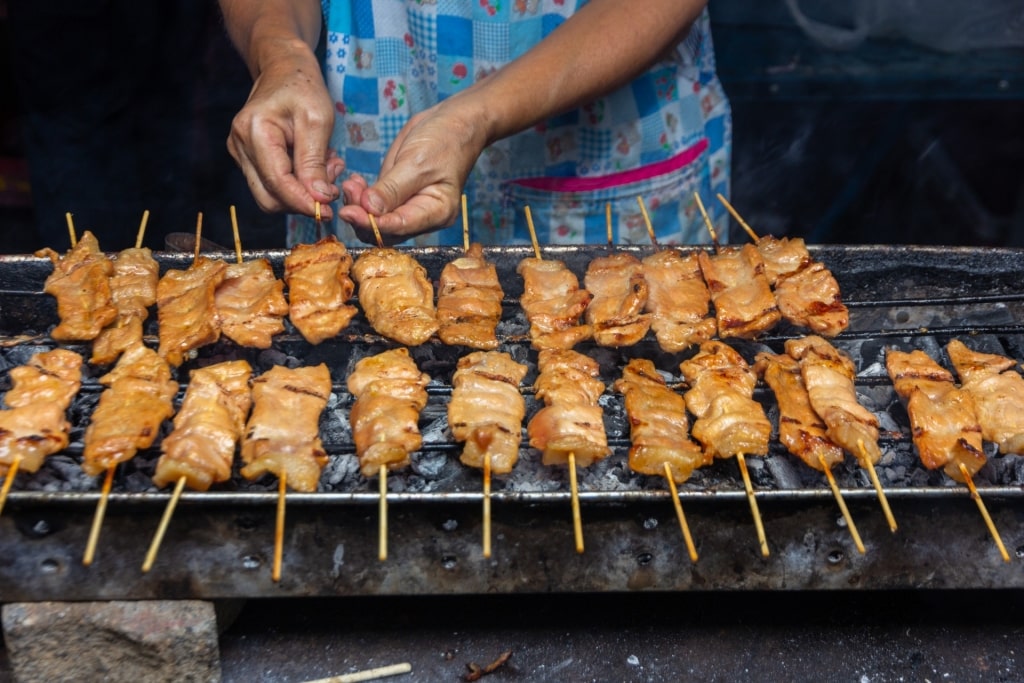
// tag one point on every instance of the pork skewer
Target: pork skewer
(619, 293)
(319, 288)
(469, 297)
(395, 293)
(207, 429)
(944, 423)
(80, 282)
(569, 429)
(744, 304)
(250, 301)
(998, 391)
(486, 414)
(552, 300)
(828, 374)
(801, 430)
(806, 291)
(282, 435)
(659, 431)
(133, 290)
(390, 392)
(730, 423)
(35, 425)
(137, 400)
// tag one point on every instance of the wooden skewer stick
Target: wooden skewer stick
(71, 229)
(865, 463)
(647, 222)
(487, 504)
(97, 520)
(199, 237)
(465, 224)
(12, 472)
(142, 229)
(282, 486)
(758, 524)
(234, 231)
(577, 523)
(316, 213)
(608, 223)
(376, 231)
(368, 674)
(158, 537)
(690, 547)
(739, 219)
(382, 541)
(707, 222)
(533, 232)
(984, 513)
(842, 505)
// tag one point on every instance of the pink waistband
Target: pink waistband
(586, 184)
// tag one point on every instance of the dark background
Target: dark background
(110, 107)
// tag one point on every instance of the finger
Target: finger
(260, 195)
(274, 168)
(310, 151)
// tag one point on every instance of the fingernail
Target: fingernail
(325, 189)
(376, 204)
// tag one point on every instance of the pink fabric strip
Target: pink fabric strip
(585, 184)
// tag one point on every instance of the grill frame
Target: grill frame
(633, 542)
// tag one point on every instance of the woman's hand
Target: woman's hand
(420, 184)
(281, 137)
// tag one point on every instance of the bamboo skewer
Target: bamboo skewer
(842, 505)
(234, 231)
(487, 504)
(142, 229)
(282, 486)
(368, 674)
(376, 231)
(984, 513)
(316, 214)
(865, 463)
(158, 537)
(752, 499)
(577, 522)
(465, 224)
(707, 222)
(647, 222)
(533, 232)
(608, 223)
(97, 520)
(12, 472)
(382, 540)
(71, 229)
(738, 217)
(690, 547)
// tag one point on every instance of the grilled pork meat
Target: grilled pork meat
(133, 291)
(801, 430)
(207, 427)
(943, 419)
(80, 282)
(658, 427)
(553, 303)
(828, 374)
(138, 398)
(396, 295)
(678, 300)
(744, 304)
(282, 435)
(998, 391)
(250, 303)
(390, 392)
(571, 420)
(729, 421)
(469, 301)
(620, 293)
(319, 288)
(486, 411)
(186, 308)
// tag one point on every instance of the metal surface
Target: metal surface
(219, 542)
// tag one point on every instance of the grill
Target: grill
(220, 543)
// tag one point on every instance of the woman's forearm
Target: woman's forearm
(262, 29)
(604, 45)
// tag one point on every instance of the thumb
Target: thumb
(394, 187)
(311, 157)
